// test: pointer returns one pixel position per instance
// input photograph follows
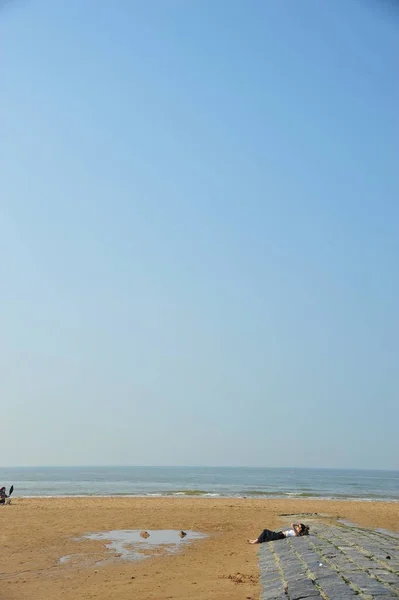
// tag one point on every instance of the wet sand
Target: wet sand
(36, 533)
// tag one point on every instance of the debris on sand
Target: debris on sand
(242, 578)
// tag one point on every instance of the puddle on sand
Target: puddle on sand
(65, 559)
(127, 544)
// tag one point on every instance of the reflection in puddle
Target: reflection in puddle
(128, 544)
(65, 559)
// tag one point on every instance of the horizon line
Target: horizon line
(137, 466)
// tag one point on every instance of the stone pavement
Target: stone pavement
(335, 563)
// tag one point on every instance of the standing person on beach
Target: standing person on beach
(3, 495)
(297, 530)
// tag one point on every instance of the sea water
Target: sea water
(202, 481)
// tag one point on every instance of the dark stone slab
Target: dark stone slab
(303, 589)
(339, 562)
(368, 585)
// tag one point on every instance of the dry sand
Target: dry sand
(34, 534)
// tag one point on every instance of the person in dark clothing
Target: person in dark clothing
(3, 495)
(4, 498)
(297, 530)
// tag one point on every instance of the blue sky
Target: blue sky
(199, 233)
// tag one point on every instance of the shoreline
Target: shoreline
(213, 496)
(36, 532)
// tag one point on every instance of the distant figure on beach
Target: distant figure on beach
(4, 498)
(297, 530)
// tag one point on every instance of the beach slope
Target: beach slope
(36, 533)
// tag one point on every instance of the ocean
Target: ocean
(202, 481)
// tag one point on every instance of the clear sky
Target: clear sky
(199, 233)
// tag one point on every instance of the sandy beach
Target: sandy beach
(36, 533)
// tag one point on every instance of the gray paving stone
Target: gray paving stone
(352, 559)
(340, 592)
(387, 577)
(368, 585)
(270, 596)
(303, 589)
(275, 590)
